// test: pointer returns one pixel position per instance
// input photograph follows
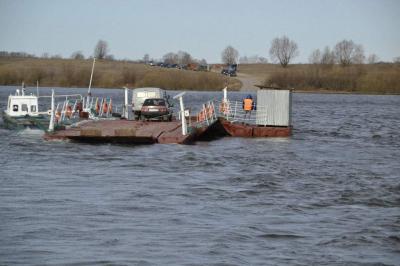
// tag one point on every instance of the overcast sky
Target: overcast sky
(202, 28)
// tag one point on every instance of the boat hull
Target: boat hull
(21, 122)
(254, 131)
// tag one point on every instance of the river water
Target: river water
(328, 195)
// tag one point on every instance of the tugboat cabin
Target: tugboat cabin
(22, 105)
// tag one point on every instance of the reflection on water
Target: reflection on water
(327, 195)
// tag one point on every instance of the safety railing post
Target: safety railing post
(74, 109)
(63, 111)
(234, 116)
(51, 124)
(206, 113)
(228, 109)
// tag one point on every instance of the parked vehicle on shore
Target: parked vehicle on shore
(230, 70)
(139, 96)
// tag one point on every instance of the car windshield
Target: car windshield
(154, 102)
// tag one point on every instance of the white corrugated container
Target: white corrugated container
(274, 107)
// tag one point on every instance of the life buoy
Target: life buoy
(210, 111)
(201, 116)
(105, 107)
(68, 112)
(224, 108)
(58, 116)
(110, 106)
(97, 107)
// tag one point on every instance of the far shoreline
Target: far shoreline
(311, 91)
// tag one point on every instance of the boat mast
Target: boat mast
(90, 83)
(23, 89)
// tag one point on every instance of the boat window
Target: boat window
(15, 108)
(24, 108)
(151, 94)
(154, 102)
(33, 108)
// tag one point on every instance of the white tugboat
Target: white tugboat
(23, 111)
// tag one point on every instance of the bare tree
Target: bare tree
(229, 55)
(358, 57)
(146, 58)
(243, 60)
(184, 58)
(101, 49)
(110, 57)
(262, 60)
(315, 57)
(77, 55)
(283, 50)
(203, 62)
(328, 56)
(254, 59)
(170, 58)
(396, 60)
(347, 52)
(45, 55)
(344, 51)
(372, 59)
(56, 56)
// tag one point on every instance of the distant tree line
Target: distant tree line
(16, 54)
(254, 59)
(179, 58)
(282, 51)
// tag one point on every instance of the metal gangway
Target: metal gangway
(207, 114)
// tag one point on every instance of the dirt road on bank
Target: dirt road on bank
(248, 82)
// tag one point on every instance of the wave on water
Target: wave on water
(30, 132)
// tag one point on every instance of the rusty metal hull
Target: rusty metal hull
(124, 131)
(253, 131)
(140, 132)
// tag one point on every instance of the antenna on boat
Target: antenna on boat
(23, 88)
(90, 83)
(37, 88)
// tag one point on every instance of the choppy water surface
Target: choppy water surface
(330, 194)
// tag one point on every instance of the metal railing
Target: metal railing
(67, 110)
(233, 111)
(207, 115)
(98, 107)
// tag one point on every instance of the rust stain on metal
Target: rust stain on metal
(249, 131)
(90, 132)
